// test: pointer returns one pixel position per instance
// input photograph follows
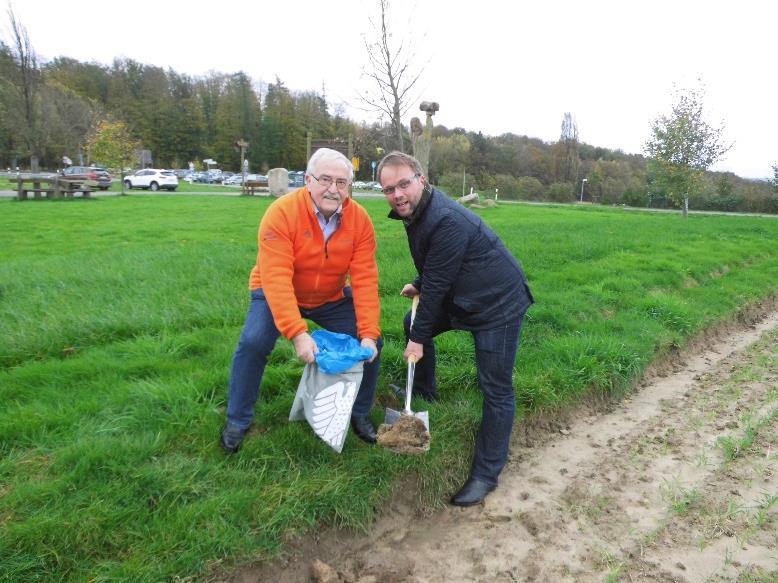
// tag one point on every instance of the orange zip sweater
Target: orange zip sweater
(296, 268)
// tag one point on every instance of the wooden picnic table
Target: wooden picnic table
(52, 185)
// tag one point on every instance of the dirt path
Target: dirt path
(678, 483)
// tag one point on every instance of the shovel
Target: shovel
(391, 415)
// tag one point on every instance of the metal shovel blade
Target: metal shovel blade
(392, 416)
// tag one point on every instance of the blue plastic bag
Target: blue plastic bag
(338, 352)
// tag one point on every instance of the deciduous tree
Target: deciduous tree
(113, 145)
(565, 151)
(682, 146)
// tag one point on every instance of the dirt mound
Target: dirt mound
(406, 435)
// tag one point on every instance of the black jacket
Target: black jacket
(466, 275)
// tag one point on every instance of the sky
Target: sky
(494, 66)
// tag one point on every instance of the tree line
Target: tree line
(55, 109)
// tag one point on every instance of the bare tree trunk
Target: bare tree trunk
(27, 83)
(685, 206)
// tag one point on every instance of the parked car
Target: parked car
(215, 175)
(296, 179)
(234, 179)
(152, 179)
(209, 177)
(86, 173)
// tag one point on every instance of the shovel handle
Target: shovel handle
(414, 306)
(411, 363)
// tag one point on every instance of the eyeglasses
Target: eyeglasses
(326, 181)
(402, 185)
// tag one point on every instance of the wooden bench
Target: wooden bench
(68, 187)
(52, 186)
(250, 187)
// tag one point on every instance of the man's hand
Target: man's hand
(409, 291)
(371, 344)
(305, 347)
(415, 349)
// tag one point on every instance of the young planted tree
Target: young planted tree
(682, 146)
(393, 75)
(112, 144)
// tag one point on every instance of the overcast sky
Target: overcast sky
(493, 65)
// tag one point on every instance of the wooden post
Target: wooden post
(243, 145)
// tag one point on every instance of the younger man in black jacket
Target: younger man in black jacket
(468, 281)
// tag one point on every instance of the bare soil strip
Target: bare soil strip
(677, 483)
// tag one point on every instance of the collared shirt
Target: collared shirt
(328, 226)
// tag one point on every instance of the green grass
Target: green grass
(118, 317)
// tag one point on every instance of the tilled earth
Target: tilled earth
(677, 483)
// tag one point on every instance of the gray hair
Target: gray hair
(327, 155)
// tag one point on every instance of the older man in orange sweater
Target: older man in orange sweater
(316, 261)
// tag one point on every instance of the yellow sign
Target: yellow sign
(355, 163)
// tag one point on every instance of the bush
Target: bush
(612, 191)
(451, 183)
(529, 188)
(635, 198)
(729, 203)
(561, 192)
(508, 185)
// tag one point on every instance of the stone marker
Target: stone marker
(278, 181)
(468, 198)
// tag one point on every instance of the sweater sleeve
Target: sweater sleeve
(364, 280)
(276, 265)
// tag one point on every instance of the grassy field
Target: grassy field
(118, 317)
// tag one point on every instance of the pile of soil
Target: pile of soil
(406, 435)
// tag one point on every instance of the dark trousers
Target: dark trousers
(257, 340)
(495, 356)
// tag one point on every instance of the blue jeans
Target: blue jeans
(495, 356)
(257, 340)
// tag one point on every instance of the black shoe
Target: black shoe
(473, 492)
(231, 438)
(400, 394)
(364, 429)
